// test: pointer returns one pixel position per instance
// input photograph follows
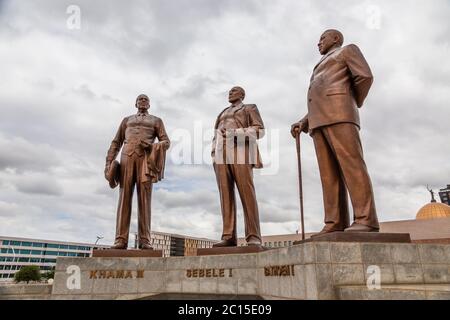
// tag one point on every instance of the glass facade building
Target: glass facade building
(18, 252)
(178, 245)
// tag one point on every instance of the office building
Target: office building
(431, 225)
(178, 245)
(18, 252)
(444, 194)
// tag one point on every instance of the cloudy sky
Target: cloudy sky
(66, 86)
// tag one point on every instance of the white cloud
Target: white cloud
(66, 92)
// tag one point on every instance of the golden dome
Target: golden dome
(434, 210)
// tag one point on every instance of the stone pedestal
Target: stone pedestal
(229, 250)
(110, 253)
(359, 237)
(314, 270)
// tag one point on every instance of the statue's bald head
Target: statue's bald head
(330, 38)
(235, 94)
(336, 34)
(142, 101)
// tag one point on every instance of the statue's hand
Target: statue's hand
(223, 131)
(298, 127)
(166, 144)
(295, 129)
(106, 170)
(145, 145)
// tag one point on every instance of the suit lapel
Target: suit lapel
(324, 57)
(238, 108)
(234, 112)
(218, 117)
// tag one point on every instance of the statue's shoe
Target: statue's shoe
(356, 227)
(253, 241)
(325, 231)
(119, 245)
(145, 246)
(225, 243)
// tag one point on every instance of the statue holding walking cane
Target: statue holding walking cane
(338, 87)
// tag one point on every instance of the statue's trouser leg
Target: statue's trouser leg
(144, 193)
(243, 176)
(127, 181)
(341, 163)
(225, 184)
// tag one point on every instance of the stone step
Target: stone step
(377, 237)
(130, 253)
(311, 270)
(395, 292)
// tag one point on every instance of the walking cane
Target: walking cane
(300, 187)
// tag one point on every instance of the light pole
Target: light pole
(14, 257)
(98, 238)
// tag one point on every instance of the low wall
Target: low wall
(25, 291)
(304, 271)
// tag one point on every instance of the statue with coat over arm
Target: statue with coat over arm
(141, 164)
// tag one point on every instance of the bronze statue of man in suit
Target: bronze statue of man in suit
(235, 154)
(339, 84)
(141, 165)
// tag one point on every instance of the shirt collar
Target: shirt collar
(237, 105)
(326, 55)
(145, 113)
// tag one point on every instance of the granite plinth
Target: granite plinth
(341, 236)
(318, 270)
(230, 250)
(111, 253)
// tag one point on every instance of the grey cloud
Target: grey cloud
(21, 154)
(196, 86)
(194, 200)
(46, 84)
(110, 98)
(85, 91)
(39, 186)
(32, 183)
(272, 212)
(61, 107)
(104, 191)
(8, 210)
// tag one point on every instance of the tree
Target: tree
(28, 273)
(49, 275)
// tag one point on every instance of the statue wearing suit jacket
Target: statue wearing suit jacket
(235, 153)
(141, 165)
(339, 85)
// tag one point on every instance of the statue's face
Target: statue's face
(142, 102)
(327, 40)
(235, 94)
